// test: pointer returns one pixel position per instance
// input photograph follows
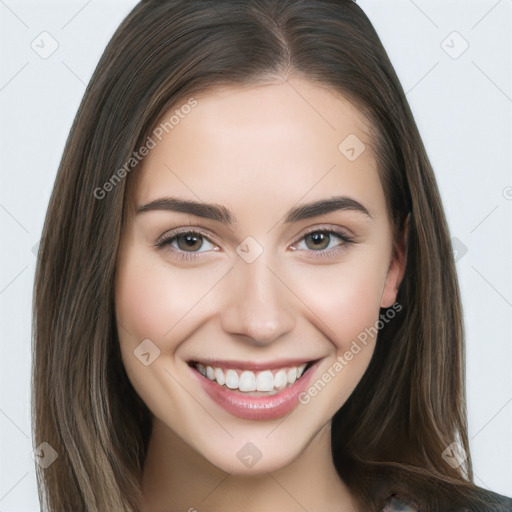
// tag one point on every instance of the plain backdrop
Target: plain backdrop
(454, 61)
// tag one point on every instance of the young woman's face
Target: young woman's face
(261, 244)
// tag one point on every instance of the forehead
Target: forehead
(277, 142)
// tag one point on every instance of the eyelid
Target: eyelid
(329, 228)
(169, 235)
(327, 255)
(166, 238)
(164, 242)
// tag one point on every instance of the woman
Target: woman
(246, 296)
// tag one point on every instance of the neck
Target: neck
(176, 477)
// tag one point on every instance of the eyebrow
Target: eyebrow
(222, 214)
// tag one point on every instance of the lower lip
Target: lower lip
(257, 407)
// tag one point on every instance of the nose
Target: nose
(258, 305)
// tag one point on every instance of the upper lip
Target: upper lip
(252, 365)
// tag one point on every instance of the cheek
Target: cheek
(153, 299)
(344, 301)
(155, 302)
(345, 298)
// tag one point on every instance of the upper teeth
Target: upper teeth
(246, 380)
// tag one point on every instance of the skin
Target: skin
(258, 151)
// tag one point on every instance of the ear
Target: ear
(396, 269)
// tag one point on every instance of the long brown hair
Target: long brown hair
(408, 407)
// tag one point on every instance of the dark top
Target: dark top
(497, 503)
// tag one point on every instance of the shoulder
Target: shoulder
(486, 501)
(398, 504)
(493, 502)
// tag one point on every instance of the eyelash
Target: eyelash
(166, 240)
(327, 253)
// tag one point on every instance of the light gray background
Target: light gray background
(462, 106)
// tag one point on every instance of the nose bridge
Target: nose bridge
(258, 305)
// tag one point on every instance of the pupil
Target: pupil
(320, 240)
(186, 242)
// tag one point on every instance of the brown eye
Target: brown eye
(189, 241)
(323, 242)
(317, 240)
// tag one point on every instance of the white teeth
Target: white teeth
(280, 380)
(247, 381)
(292, 375)
(219, 376)
(264, 381)
(232, 379)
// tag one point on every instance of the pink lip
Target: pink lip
(257, 407)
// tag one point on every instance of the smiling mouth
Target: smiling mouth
(261, 382)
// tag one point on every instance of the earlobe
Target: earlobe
(396, 269)
(390, 286)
